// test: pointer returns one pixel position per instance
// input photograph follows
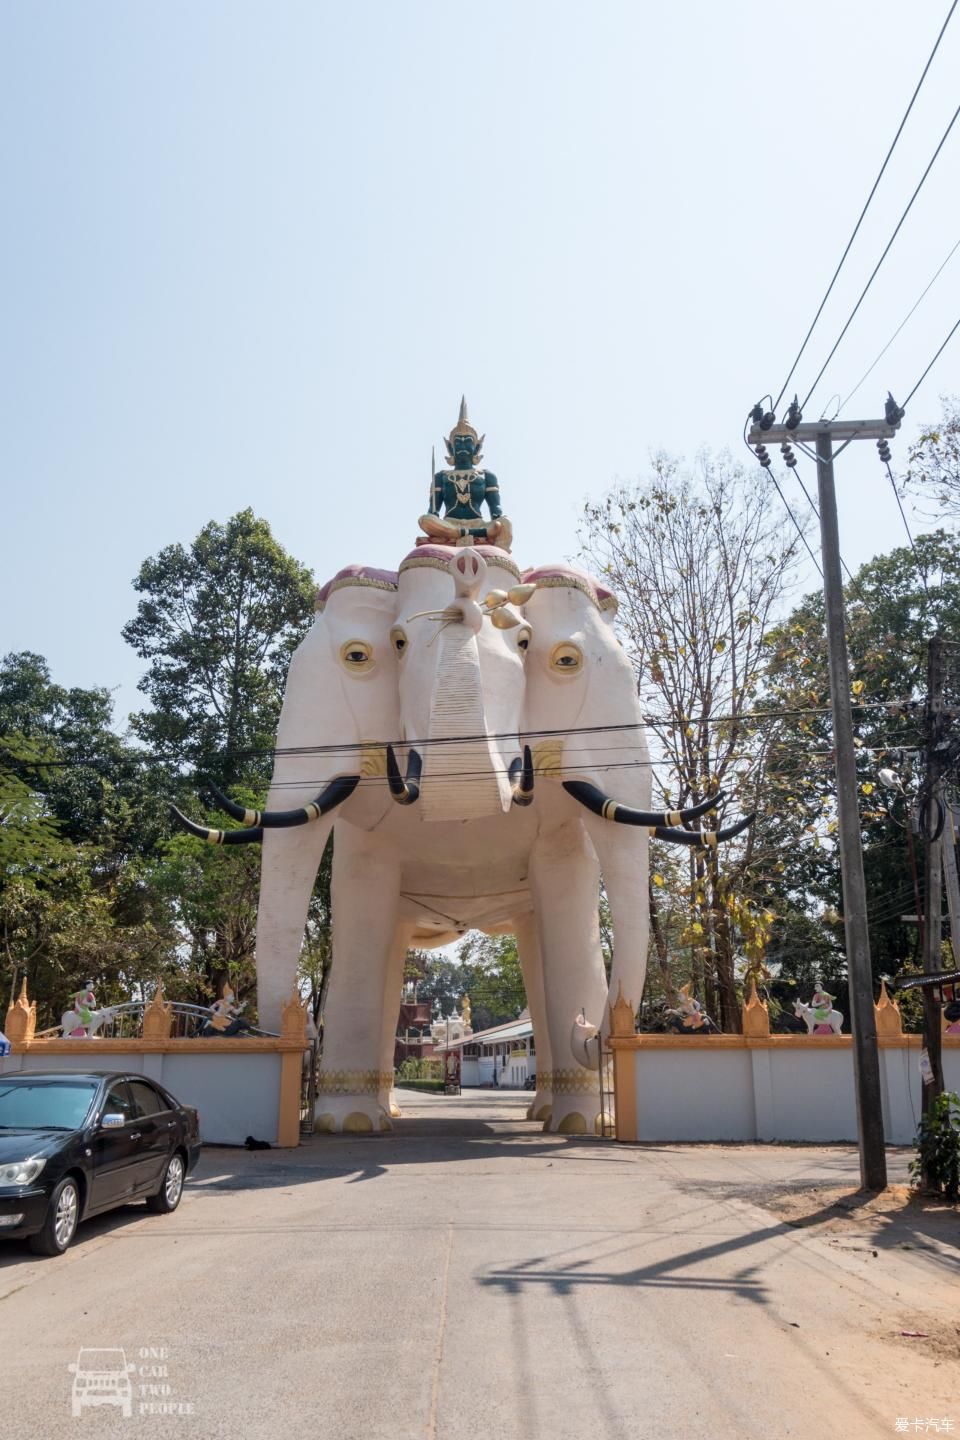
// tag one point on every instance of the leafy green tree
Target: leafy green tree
(933, 464)
(895, 603)
(217, 623)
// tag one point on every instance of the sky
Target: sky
(251, 255)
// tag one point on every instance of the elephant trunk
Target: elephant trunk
(464, 771)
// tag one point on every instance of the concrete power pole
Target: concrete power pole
(932, 820)
(866, 1060)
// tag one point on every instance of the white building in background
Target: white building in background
(504, 1051)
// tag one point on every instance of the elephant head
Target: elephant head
(461, 655)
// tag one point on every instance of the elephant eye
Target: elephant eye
(357, 655)
(523, 640)
(398, 639)
(566, 658)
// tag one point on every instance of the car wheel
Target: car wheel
(60, 1224)
(167, 1197)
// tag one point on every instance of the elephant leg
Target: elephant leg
(391, 1011)
(366, 895)
(288, 870)
(531, 965)
(564, 881)
(624, 863)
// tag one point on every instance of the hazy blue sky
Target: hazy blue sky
(252, 254)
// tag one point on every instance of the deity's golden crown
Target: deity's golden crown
(463, 427)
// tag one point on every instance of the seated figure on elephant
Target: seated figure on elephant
(456, 495)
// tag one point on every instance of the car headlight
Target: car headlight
(21, 1172)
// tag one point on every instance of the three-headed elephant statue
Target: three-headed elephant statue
(475, 737)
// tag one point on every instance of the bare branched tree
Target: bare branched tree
(700, 563)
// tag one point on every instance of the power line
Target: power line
(931, 365)
(914, 306)
(866, 207)
(886, 251)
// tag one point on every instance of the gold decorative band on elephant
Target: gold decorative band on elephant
(568, 1082)
(353, 1082)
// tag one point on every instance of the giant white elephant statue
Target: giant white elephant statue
(476, 739)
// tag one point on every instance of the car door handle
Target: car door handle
(135, 1135)
(171, 1124)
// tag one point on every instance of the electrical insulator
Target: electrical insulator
(794, 415)
(789, 459)
(763, 457)
(884, 451)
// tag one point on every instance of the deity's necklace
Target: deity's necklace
(462, 485)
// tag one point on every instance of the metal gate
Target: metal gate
(308, 1089)
(608, 1124)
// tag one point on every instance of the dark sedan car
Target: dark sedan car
(72, 1146)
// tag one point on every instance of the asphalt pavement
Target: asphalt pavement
(469, 1276)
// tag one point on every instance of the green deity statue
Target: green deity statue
(456, 495)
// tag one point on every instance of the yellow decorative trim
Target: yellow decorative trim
(324, 1124)
(621, 1015)
(573, 582)
(547, 757)
(357, 1123)
(572, 1124)
(158, 1016)
(353, 1082)
(755, 1018)
(21, 1023)
(288, 1117)
(433, 562)
(293, 1019)
(673, 817)
(610, 602)
(887, 1015)
(544, 1113)
(360, 580)
(574, 1082)
(373, 761)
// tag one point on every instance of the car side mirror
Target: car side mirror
(112, 1122)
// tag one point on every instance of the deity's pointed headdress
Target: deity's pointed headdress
(463, 427)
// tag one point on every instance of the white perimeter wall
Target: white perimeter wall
(773, 1094)
(237, 1095)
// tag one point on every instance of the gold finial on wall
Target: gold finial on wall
(293, 1018)
(887, 1016)
(157, 1016)
(621, 1015)
(21, 1022)
(755, 1017)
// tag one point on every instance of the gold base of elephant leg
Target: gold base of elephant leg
(357, 1123)
(573, 1123)
(395, 1111)
(324, 1125)
(544, 1114)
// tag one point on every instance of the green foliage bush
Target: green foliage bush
(937, 1162)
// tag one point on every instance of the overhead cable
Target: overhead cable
(876, 268)
(873, 190)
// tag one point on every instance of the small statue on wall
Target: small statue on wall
(82, 1019)
(225, 1018)
(689, 1017)
(819, 1016)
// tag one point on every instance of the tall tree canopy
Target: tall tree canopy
(700, 565)
(217, 623)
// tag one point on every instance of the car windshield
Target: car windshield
(45, 1104)
(102, 1361)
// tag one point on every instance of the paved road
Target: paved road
(469, 1276)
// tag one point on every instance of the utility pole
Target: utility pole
(866, 1060)
(932, 818)
(948, 842)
